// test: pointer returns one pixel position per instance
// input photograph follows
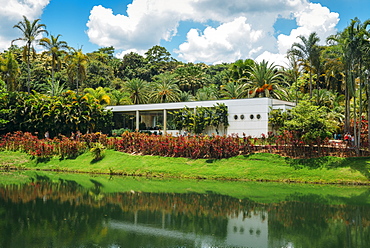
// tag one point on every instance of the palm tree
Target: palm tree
(351, 42)
(185, 96)
(30, 30)
(266, 81)
(291, 75)
(165, 89)
(10, 70)
(241, 69)
(55, 50)
(308, 53)
(207, 93)
(138, 90)
(77, 63)
(233, 90)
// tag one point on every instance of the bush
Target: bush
(119, 132)
(97, 151)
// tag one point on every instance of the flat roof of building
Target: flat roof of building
(193, 104)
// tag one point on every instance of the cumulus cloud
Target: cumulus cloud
(226, 43)
(232, 29)
(147, 22)
(11, 12)
(312, 18)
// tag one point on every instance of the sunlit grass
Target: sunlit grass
(255, 167)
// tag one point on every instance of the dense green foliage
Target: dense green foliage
(198, 119)
(309, 122)
(39, 113)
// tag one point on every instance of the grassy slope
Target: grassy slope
(254, 167)
(262, 192)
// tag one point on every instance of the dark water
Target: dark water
(57, 211)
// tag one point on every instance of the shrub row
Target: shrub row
(192, 146)
(183, 146)
(42, 148)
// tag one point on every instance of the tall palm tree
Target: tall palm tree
(351, 42)
(55, 49)
(77, 64)
(165, 89)
(292, 74)
(266, 81)
(138, 90)
(308, 53)
(31, 31)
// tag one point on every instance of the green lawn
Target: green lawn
(262, 192)
(255, 167)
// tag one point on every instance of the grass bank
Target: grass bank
(254, 167)
(261, 192)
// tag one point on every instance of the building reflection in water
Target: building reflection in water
(66, 214)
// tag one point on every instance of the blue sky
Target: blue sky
(210, 31)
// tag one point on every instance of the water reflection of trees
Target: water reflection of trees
(52, 212)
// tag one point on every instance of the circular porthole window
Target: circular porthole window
(242, 117)
(235, 117)
(252, 117)
(258, 116)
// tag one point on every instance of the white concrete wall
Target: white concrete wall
(250, 126)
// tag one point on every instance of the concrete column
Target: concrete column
(137, 120)
(164, 121)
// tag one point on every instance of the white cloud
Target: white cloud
(243, 29)
(147, 22)
(11, 12)
(312, 18)
(226, 43)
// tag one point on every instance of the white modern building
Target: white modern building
(249, 116)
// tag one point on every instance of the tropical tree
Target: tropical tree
(99, 95)
(233, 90)
(292, 75)
(138, 90)
(185, 96)
(352, 42)
(206, 93)
(308, 53)
(310, 122)
(134, 66)
(10, 71)
(241, 69)
(119, 98)
(55, 89)
(159, 60)
(190, 77)
(77, 64)
(55, 49)
(165, 88)
(31, 32)
(266, 81)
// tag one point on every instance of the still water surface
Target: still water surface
(61, 210)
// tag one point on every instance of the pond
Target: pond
(41, 209)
